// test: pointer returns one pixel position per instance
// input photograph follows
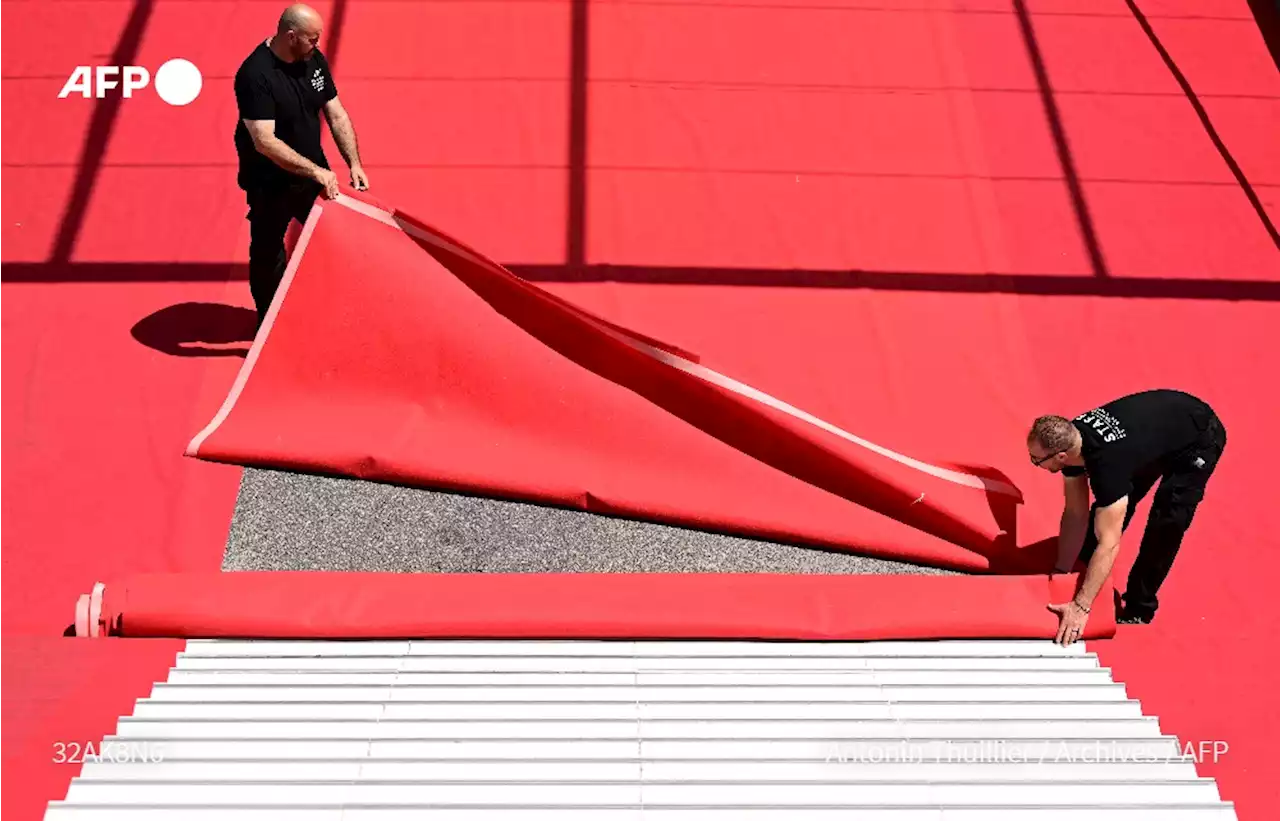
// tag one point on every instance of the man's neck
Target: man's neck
(271, 44)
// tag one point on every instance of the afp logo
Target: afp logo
(178, 81)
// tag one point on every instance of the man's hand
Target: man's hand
(1071, 628)
(329, 181)
(359, 180)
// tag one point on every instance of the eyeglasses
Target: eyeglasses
(1043, 459)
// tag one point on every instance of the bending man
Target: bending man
(1119, 451)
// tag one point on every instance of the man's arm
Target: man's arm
(1108, 525)
(264, 137)
(344, 132)
(1075, 519)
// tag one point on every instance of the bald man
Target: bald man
(281, 89)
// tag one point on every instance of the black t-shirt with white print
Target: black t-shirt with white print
(291, 94)
(1140, 434)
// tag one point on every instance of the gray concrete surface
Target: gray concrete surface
(289, 521)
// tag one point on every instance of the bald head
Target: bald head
(298, 17)
(298, 32)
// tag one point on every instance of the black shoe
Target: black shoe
(1134, 618)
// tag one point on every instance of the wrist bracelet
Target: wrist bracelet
(1081, 606)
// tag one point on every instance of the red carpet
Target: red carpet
(61, 696)
(988, 209)
(96, 421)
(441, 369)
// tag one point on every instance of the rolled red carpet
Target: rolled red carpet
(314, 605)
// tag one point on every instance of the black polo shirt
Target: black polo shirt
(1138, 435)
(291, 94)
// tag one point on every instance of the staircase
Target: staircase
(566, 730)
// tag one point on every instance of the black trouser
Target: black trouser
(1182, 487)
(270, 211)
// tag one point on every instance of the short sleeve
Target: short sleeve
(330, 89)
(253, 96)
(1110, 483)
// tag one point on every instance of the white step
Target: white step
(617, 711)
(1209, 812)
(634, 649)
(864, 750)
(849, 678)
(571, 770)
(632, 792)
(304, 690)
(549, 729)
(593, 663)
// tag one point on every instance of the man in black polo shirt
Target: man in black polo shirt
(1119, 451)
(281, 89)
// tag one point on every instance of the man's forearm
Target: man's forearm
(282, 155)
(1104, 557)
(1071, 538)
(344, 134)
